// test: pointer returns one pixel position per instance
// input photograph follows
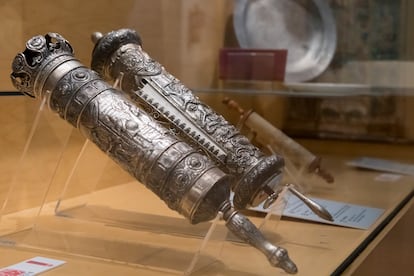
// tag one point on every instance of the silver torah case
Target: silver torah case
(119, 54)
(187, 181)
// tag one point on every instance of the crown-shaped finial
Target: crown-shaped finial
(32, 67)
(106, 45)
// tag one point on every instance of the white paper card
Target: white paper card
(30, 267)
(344, 214)
(387, 177)
(382, 165)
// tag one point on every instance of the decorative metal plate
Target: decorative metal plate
(306, 28)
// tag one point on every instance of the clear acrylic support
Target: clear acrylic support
(67, 196)
(292, 176)
(142, 227)
(37, 166)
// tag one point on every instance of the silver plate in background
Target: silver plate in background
(305, 28)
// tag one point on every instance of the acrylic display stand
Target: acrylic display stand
(67, 196)
(29, 185)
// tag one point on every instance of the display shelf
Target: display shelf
(350, 111)
(308, 89)
(330, 249)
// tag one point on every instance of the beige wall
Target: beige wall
(171, 30)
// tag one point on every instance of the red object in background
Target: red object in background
(252, 64)
(12, 272)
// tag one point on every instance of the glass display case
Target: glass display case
(324, 80)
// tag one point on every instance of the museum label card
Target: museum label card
(30, 267)
(382, 165)
(344, 214)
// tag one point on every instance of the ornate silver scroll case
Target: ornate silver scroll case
(171, 168)
(257, 177)
(187, 181)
